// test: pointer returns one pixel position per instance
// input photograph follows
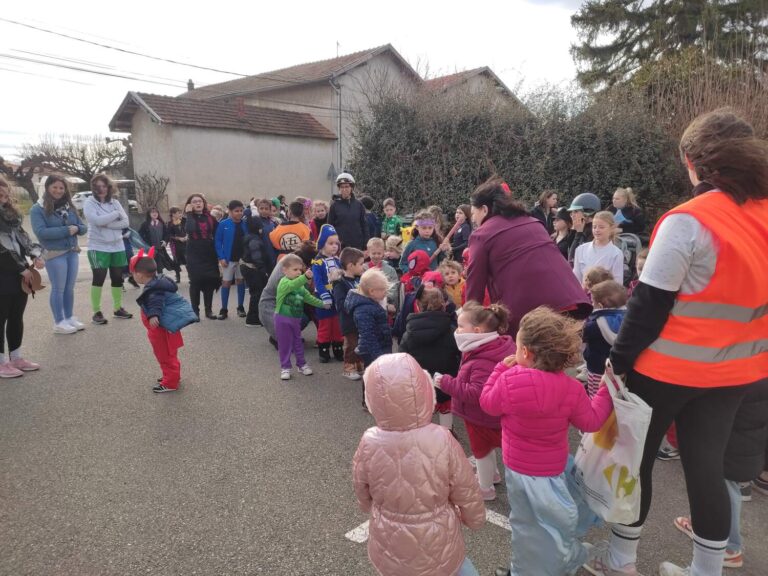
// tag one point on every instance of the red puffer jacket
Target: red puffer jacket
(412, 476)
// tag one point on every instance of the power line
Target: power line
(45, 76)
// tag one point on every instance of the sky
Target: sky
(526, 42)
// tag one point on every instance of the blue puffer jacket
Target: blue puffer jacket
(374, 336)
(600, 333)
(52, 230)
(160, 298)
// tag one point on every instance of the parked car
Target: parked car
(79, 199)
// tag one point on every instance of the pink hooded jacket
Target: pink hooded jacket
(536, 408)
(412, 476)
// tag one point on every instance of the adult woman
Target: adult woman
(512, 256)
(626, 212)
(564, 233)
(202, 262)
(460, 239)
(694, 334)
(57, 226)
(15, 249)
(106, 251)
(544, 209)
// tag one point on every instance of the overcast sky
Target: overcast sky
(525, 42)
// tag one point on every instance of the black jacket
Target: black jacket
(580, 238)
(202, 261)
(253, 246)
(565, 243)
(341, 288)
(747, 446)
(349, 219)
(546, 219)
(635, 220)
(460, 241)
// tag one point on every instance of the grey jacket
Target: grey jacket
(106, 222)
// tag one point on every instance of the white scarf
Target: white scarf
(468, 341)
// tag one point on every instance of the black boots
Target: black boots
(325, 353)
(338, 351)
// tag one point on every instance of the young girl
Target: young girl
(601, 251)
(177, 238)
(460, 239)
(481, 338)
(153, 232)
(425, 238)
(202, 261)
(429, 338)
(326, 269)
(393, 251)
(319, 218)
(405, 454)
(601, 329)
(563, 232)
(537, 402)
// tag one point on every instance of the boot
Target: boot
(338, 351)
(210, 315)
(325, 353)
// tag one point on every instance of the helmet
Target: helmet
(345, 177)
(586, 202)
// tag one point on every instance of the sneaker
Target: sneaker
(223, 313)
(74, 322)
(159, 389)
(760, 485)
(351, 375)
(253, 324)
(668, 453)
(497, 479)
(746, 491)
(669, 569)
(24, 365)
(98, 318)
(241, 312)
(122, 314)
(488, 495)
(306, 370)
(597, 563)
(8, 371)
(733, 559)
(64, 327)
(210, 315)
(285, 374)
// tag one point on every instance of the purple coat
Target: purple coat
(465, 388)
(522, 268)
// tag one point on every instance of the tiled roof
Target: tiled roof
(294, 75)
(228, 116)
(442, 82)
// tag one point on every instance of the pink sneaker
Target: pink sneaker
(497, 477)
(24, 365)
(488, 495)
(8, 371)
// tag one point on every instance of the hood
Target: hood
(502, 347)
(418, 262)
(399, 393)
(326, 231)
(609, 322)
(161, 283)
(427, 327)
(355, 300)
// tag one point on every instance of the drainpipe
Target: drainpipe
(337, 88)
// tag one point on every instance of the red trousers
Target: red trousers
(165, 346)
(329, 330)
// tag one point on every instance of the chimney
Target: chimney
(190, 85)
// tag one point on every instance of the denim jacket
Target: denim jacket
(52, 230)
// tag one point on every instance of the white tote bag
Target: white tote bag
(608, 461)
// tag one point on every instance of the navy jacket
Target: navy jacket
(152, 298)
(341, 288)
(374, 336)
(600, 332)
(349, 219)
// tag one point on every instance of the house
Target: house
(474, 81)
(288, 131)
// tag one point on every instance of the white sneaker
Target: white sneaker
(351, 375)
(285, 374)
(597, 563)
(64, 327)
(669, 569)
(75, 323)
(306, 370)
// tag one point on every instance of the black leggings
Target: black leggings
(704, 420)
(256, 280)
(12, 321)
(115, 276)
(207, 287)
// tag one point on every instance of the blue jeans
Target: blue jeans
(62, 272)
(734, 538)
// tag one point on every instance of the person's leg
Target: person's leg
(228, 275)
(116, 279)
(166, 352)
(298, 345)
(337, 339)
(5, 309)
(15, 325)
(350, 358)
(260, 279)
(69, 286)
(99, 276)
(486, 468)
(208, 291)
(57, 274)
(240, 284)
(324, 339)
(194, 296)
(284, 336)
(734, 495)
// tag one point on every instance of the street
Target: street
(238, 473)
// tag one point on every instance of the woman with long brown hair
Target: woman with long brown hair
(694, 337)
(202, 261)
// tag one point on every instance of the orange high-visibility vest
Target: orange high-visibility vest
(719, 336)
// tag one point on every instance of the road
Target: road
(238, 473)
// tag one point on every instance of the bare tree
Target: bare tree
(150, 190)
(22, 174)
(81, 156)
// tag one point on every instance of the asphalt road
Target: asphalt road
(238, 473)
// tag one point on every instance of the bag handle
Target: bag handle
(614, 383)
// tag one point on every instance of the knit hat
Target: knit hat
(326, 231)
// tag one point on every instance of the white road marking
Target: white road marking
(360, 534)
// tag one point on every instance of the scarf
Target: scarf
(468, 341)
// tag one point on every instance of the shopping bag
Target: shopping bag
(608, 461)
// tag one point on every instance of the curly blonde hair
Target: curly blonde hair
(554, 339)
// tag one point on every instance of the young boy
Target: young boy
(601, 329)
(376, 251)
(287, 237)
(374, 224)
(352, 264)
(164, 339)
(392, 223)
(454, 283)
(292, 293)
(263, 219)
(326, 269)
(229, 249)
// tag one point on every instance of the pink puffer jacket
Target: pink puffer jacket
(412, 476)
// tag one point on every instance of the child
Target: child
(460, 239)
(229, 249)
(537, 402)
(482, 340)
(601, 251)
(392, 223)
(326, 269)
(425, 238)
(609, 299)
(374, 224)
(376, 254)
(254, 267)
(162, 319)
(289, 308)
(418, 264)
(262, 218)
(454, 283)
(642, 256)
(414, 476)
(319, 218)
(594, 276)
(154, 231)
(177, 239)
(429, 338)
(287, 237)
(352, 263)
(393, 252)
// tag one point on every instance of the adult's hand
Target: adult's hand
(39, 263)
(73, 230)
(26, 277)
(188, 208)
(578, 221)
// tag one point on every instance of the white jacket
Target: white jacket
(106, 221)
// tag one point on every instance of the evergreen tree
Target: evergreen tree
(618, 37)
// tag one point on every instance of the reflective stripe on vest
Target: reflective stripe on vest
(719, 311)
(709, 355)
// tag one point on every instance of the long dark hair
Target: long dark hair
(189, 201)
(148, 217)
(48, 201)
(9, 210)
(724, 152)
(491, 194)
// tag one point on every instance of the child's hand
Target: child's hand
(445, 246)
(223, 263)
(438, 378)
(308, 273)
(510, 361)
(154, 322)
(334, 275)
(391, 308)
(327, 305)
